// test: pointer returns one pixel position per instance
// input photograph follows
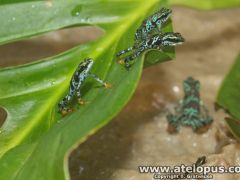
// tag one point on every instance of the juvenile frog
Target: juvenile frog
(152, 24)
(82, 72)
(157, 41)
(190, 111)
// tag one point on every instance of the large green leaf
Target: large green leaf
(206, 4)
(35, 140)
(229, 97)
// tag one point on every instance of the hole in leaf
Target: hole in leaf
(47, 45)
(3, 116)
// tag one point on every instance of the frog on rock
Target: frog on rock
(190, 111)
(82, 72)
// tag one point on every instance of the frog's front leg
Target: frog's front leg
(155, 31)
(105, 84)
(142, 32)
(173, 123)
(138, 34)
(78, 92)
(159, 28)
(178, 107)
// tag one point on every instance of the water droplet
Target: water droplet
(53, 82)
(76, 10)
(176, 89)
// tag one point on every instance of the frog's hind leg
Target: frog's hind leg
(173, 123)
(122, 60)
(201, 125)
(206, 123)
(129, 59)
(207, 120)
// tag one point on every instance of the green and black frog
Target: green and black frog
(190, 111)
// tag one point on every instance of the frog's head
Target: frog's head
(172, 39)
(87, 62)
(162, 15)
(191, 85)
(85, 65)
